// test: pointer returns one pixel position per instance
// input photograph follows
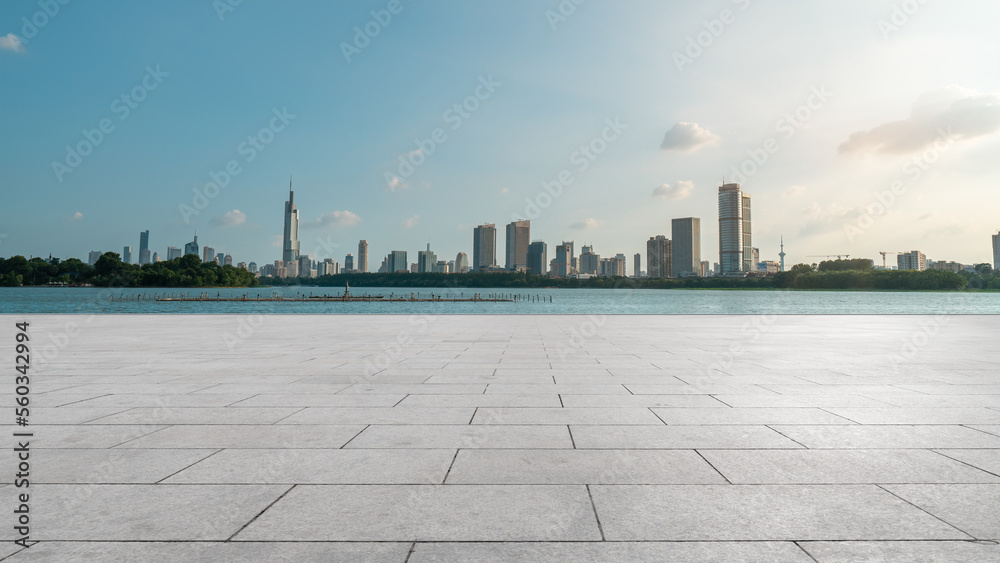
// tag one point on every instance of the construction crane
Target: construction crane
(883, 253)
(838, 256)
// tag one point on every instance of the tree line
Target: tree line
(186, 271)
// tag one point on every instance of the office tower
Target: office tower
(735, 241)
(349, 262)
(461, 263)
(192, 247)
(573, 265)
(658, 253)
(426, 260)
(996, 251)
(590, 262)
(440, 267)
(156, 257)
(756, 257)
(685, 246)
(290, 246)
(564, 253)
(292, 269)
(518, 238)
(228, 260)
(397, 262)
(538, 259)
(93, 256)
(127, 255)
(451, 267)
(637, 265)
(913, 260)
(207, 254)
(252, 267)
(413, 268)
(173, 252)
(242, 266)
(144, 247)
(305, 264)
(384, 268)
(362, 257)
(220, 257)
(484, 246)
(705, 269)
(611, 267)
(782, 253)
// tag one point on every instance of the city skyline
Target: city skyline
(587, 147)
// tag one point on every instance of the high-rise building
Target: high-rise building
(996, 251)
(706, 269)
(349, 262)
(192, 247)
(564, 254)
(637, 265)
(220, 258)
(538, 259)
(685, 246)
(228, 260)
(518, 239)
(735, 241)
(305, 266)
(590, 262)
(127, 255)
(144, 247)
(658, 257)
(156, 257)
(440, 267)
(461, 263)
(755, 252)
(362, 257)
(397, 262)
(173, 252)
(252, 267)
(781, 254)
(913, 260)
(207, 254)
(484, 246)
(93, 256)
(290, 246)
(426, 260)
(611, 267)
(573, 265)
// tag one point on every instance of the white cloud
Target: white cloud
(679, 191)
(396, 183)
(410, 222)
(952, 111)
(75, 217)
(334, 219)
(11, 42)
(687, 137)
(229, 219)
(793, 191)
(588, 223)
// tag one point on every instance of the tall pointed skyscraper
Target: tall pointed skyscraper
(782, 253)
(290, 247)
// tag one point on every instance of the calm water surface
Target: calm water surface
(563, 301)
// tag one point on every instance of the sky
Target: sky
(857, 126)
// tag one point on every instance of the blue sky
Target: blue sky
(876, 84)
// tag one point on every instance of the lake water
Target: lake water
(27, 300)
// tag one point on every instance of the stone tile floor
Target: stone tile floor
(510, 438)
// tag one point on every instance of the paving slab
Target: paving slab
(678, 437)
(987, 460)
(317, 466)
(462, 436)
(568, 415)
(428, 513)
(608, 552)
(567, 467)
(248, 436)
(761, 512)
(889, 436)
(196, 415)
(750, 415)
(480, 400)
(380, 415)
(902, 552)
(842, 466)
(111, 465)
(89, 436)
(211, 552)
(974, 509)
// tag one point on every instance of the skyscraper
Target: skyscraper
(564, 255)
(685, 245)
(590, 262)
(426, 260)
(363, 256)
(207, 254)
(996, 251)
(637, 265)
(349, 262)
(573, 266)
(93, 256)
(484, 246)
(658, 257)
(290, 247)
(913, 260)
(537, 258)
(735, 241)
(192, 247)
(782, 253)
(220, 258)
(397, 262)
(173, 252)
(127, 254)
(461, 263)
(144, 247)
(518, 238)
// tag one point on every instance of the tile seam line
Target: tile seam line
(188, 466)
(714, 468)
(597, 517)
(261, 513)
(936, 450)
(804, 550)
(936, 517)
